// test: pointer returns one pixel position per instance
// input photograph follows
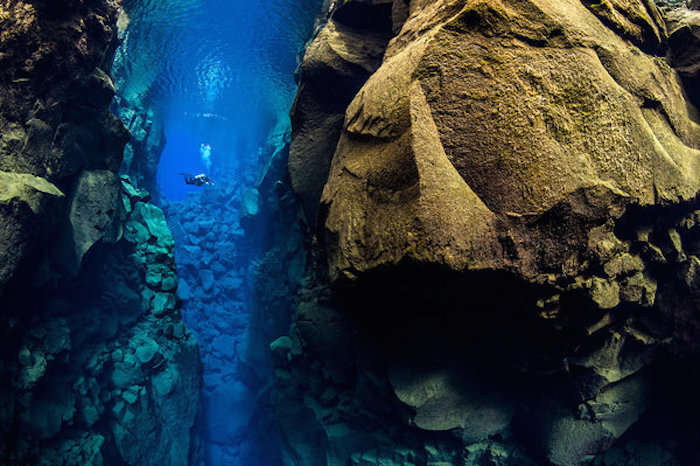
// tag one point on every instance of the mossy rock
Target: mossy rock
(28, 208)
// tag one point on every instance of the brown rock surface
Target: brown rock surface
(338, 62)
(636, 20)
(515, 188)
(530, 103)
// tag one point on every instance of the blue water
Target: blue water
(219, 76)
(218, 73)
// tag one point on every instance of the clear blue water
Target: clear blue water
(218, 73)
(219, 76)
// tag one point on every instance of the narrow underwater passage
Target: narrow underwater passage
(205, 87)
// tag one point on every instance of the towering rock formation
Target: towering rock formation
(96, 363)
(142, 152)
(509, 217)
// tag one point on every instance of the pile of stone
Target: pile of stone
(112, 350)
(238, 291)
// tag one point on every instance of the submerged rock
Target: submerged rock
(239, 288)
(97, 367)
(336, 64)
(452, 399)
(463, 153)
(207, 279)
(28, 207)
(95, 214)
(510, 204)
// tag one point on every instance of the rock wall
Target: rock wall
(336, 64)
(684, 40)
(97, 366)
(508, 236)
(142, 152)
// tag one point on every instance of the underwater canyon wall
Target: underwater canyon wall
(505, 266)
(96, 362)
(145, 124)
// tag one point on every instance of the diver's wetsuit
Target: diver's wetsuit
(197, 180)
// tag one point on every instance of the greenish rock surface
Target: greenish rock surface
(26, 188)
(27, 203)
(96, 362)
(125, 376)
(95, 214)
(453, 400)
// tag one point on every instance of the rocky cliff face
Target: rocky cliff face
(509, 216)
(142, 152)
(96, 363)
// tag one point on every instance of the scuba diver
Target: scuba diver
(197, 180)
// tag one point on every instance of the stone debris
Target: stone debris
(84, 343)
(239, 266)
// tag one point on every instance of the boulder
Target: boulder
(206, 277)
(183, 289)
(162, 304)
(26, 205)
(153, 219)
(95, 214)
(250, 209)
(453, 400)
(573, 437)
(491, 120)
(146, 350)
(132, 191)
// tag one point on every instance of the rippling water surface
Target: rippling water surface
(219, 72)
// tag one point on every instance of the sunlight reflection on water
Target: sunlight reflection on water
(208, 66)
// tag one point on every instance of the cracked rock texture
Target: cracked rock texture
(96, 362)
(506, 269)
